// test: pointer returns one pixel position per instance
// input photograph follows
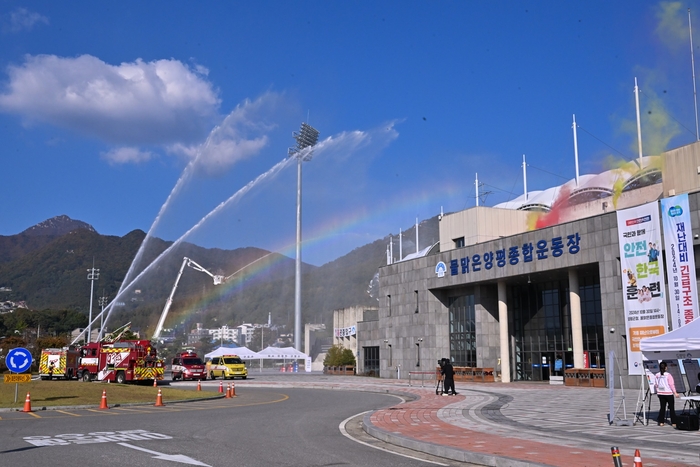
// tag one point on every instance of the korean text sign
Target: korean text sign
(643, 284)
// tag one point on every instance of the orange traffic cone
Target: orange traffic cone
(637, 458)
(155, 383)
(228, 391)
(27, 404)
(221, 387)
(233, 389)
(199, 385)
(159, 399)
(103, 403)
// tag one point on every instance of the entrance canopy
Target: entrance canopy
(244, 352)
(678, 344)
(281, 353)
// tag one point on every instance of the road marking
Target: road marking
(34, 415)
(68, 413)
(167, 457)
(347, 435)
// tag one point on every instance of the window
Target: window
(462, 315)
(371, 355)
(416, 300)
(388, 303)
(459, 242)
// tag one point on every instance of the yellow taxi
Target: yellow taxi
(227, 366)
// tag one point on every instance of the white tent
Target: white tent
(678, 344)
(281, 353)
(244, 352)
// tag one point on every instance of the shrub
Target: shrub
(339, 356)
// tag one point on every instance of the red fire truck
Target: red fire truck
(59, 363)
(120, 361)
(187, 365)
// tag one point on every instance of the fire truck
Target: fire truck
(187, 365)
(114, 359)
(59, 363)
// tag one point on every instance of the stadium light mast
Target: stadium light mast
(93, 275)
(306, 138)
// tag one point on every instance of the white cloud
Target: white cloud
(158, 102)
(21, 19)
(126, 155)
(241, 135)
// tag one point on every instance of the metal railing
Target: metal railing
(423, 376)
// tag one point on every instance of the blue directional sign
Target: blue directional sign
(18, 360)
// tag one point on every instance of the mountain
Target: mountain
(56, 227)
(46, 266)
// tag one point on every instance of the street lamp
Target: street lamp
(418, 349)
(93, 275)
(306, 138)
(102, 301)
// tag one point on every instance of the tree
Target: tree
(338, 355)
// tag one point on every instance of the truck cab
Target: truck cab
(187, 365)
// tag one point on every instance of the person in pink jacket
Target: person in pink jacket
(666, 390)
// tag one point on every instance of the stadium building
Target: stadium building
(529, 287)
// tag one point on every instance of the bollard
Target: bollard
(617, 460)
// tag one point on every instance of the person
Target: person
(666, 390)
(448, 373)
(52, 365)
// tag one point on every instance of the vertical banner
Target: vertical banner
(642, 278)
(680, 261)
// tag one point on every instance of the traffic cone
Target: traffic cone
(159, 399)
(637, 458)
(221, 387)
(199, 385)
(155, 383)
(228, 391)
(103, 403)
(233, 389)
(27, 404)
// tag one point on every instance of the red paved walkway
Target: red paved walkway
(419, 420)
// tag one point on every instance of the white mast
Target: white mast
(524, 177)
(416, 235)
(692, 64)
(388, 258)
(476, 185)
(575, 150)
(391, 249)
(400, 245)
(639, 124)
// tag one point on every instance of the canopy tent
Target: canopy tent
(281, 353)
(244, 352)
(678, 344)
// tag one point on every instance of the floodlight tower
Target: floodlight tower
(93, 275)
(306, 138)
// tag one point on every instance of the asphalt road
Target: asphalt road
(260, 427)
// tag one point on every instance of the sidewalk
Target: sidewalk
(514, 425)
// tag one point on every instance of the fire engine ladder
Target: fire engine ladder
(218, 279)
(116, 334)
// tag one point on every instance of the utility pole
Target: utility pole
(93, 275)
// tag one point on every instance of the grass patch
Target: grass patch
(62, 393)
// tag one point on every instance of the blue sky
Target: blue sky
(108, 110)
